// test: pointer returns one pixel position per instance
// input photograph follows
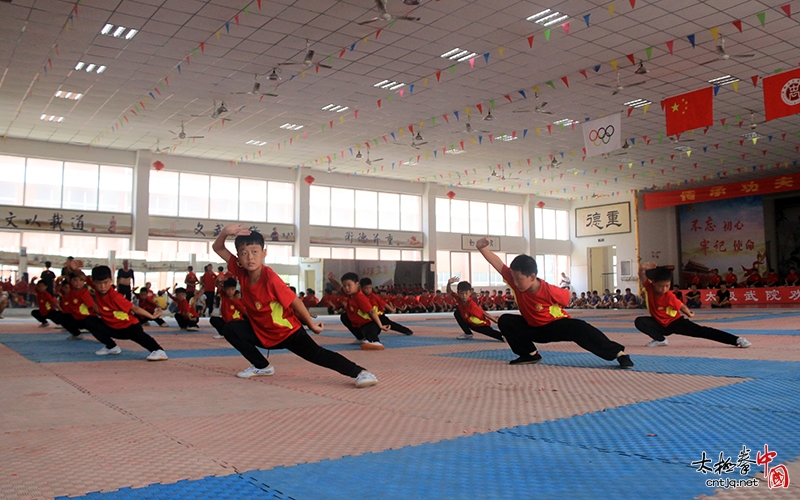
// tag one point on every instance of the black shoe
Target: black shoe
(528, 360)
(625, 361)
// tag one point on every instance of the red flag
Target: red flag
(782, 94)
(689, 111)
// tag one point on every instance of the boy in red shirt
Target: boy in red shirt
(191, 280)
(792, 278)
(146, 303)
(275, 316)
(230, 308)
(542, 317)
(359, 316)
(469, 315)
(731, 279)
(116, 320)
(772, 278)
(713, 281)
(665, 311)
(379, 305)
(310, 300)
(209, 280)
(187, 316)
(48, 306)
(80, 305)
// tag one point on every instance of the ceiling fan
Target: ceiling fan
(273, 77)
(675, 140)
(216, 111)
(618, 88)
(385, 16)
(159, 150)
(368, 161)
(256, 89)
(308, 59)
(554, 162)
(722, 55)
(182, 135)
(538, 109)
(469, 130)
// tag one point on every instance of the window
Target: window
(364, 209)
(43, 180)
(411, 255)
(280, 202)
(9, 241)
(41, 242)
(253, 200)
(367, 213)
(319, 252)
(164, 193)
(367, 254)
(551, 224)
(319, 206)
(194, 195)
(342, 207)
(342, 253)
(224, 199)
(80, 186)
(391, 254)
(459, 265)
(551, 267)
(411, 208)
(162, 249)
(116, 189)
(12, 182)
(442, 268)
(389, 211)
(477, 217)
(479, 277)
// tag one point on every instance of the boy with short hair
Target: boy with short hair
(469, 315)
(230, 309)
(629, 299)
(80, 304)
(359, 316)
(792, 278)
(209, 280)
(116, 319)
(541, 317)
(149, 305)
(275, 316)
(693, 298)
(731, 279)
(186, 316)
(190, 280)
(379, 305)
(665, 311)
(723, 297)
(714, 279)
(48, 306)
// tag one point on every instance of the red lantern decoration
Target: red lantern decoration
(451, 195)
(309, 179)
(540, 204)
(158, 165)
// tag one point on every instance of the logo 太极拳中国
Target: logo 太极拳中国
(790, 93)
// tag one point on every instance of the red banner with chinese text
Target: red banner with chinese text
(789, 182)
(755, 296)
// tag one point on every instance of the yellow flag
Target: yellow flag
(714, 32)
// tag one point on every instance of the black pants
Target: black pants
(210, 297)
(106, 335)
(484, 329)
(521, 336)
(218, 323)
(74, 326)
(125, 290)
(185, 322)
(54, 316)
(682, 326)
(144, 320)
(240, 335)
(368, 332)
(397, 327)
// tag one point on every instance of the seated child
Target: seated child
(572, 300)
(731, 279)
(606, 300)
(542, 318)
(629, 300)
(48, 306)
(275, 316)
(723, 298)
(359, 317)
(511, 302)
(792, 279)
(469, 315)
(677, 291)
(580, 302)
(714, 280)
(665, 312)
(186, 316)
(617, 298)
(380, 306)
(149, 305)
(772, 278)
(693, 298)
(230, 309)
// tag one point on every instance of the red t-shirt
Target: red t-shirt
(731, 279)
(714, 280)
(358, 308)
(231, 310)
(8, 287)
(219, 281)
(45, 301)
(791, 277)
(191, 280)
(471, 312)
(185, 307)
(378, 304)
(148, 305)
(209, 281)
(500, 299)
(772, 278)
(542, 307)
(664, 309)
(80, 303)
(310, 301)
(64, 303)
(753, 279)
(115, 310)
(267, 304)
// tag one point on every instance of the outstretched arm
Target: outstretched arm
(230, 230)
(334, 282)
(304, 316)
(643, 267)
(449, 283)
(482, 245)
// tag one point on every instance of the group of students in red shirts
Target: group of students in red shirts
(752, 279)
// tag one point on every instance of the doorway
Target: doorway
(603, 268)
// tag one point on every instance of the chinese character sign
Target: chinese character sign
(204, 229)
(603, 220)
(351, 237)
(64, 221)
(722, 234)
(468, 242)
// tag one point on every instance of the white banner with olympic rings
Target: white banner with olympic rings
(603, 135)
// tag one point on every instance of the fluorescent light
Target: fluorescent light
(565, 121)
(327, 107)
(506, 138)
(380, 84)
(397, 86)
(68, 95)
(548, 17)
(291, 126)
(101, 69)
(344, 108)
(116, 32)
(90, 67)
(106, 29)
(335, 108)
(250, 141)
(42, 117)
(131, 34)
(555, 21)
(536, 16)
(79, 65)
(120, 30)
(637, 103)
(467, 57)
(453, 151)
(450, 52)
(60, 119)
(723, 80)
(51, 118)
(458, 55)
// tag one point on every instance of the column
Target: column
(429, 222)
(141, 200)
(527, 225)
(302, 237)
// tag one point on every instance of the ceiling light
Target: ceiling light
(565, 121)
(751, 135)
(506, 138)
(641, 70)
(68, 95)
(256, 143)
(723, 80)
(100, 69)
(459, 55)
(51, 118)
(409, 163)
(534, 17)
(453, 151)
(547, 17)
(395, 87)
(683, 148)
(380, 84)
(418, 137)
(637, 103)
(489, 116)
(389, 84)
(291, 126)
(325, 108)
(90, 67)
(79, 66)
(117, 32)
(106, 29)
(358, 155)
(274, 75)
(131, 34)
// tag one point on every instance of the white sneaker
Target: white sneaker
(218, 336)
(359, 342)
(164, 325)
(75, 337)
(193, 328)
(158, 355)
(43, 325)
(742, 342)
(657, 343)
(371, 346)
(251, 371)
(105, 351)
(465, 336)
(366, 379)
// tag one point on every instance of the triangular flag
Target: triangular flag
(500, 50)
(471, 63)
(714, 32)
(583, 72)
(480, 108)
(530, 41)
(551, 84)
(788, 9)
(670, 45)
(738, 24)
(596, 68)
(438, 75)
(611, 10)
(735, 86)
(762, 17)
(486, 57)
(691, 39)
(633, 4)
(379, 103)
(716, 89)
(566, 82)
(649, 52)
(613, 63)
(632, 59)
(644, 109)
(586, 18)
(547, 35)
(411, 89)
(566, 28)
(755, 80)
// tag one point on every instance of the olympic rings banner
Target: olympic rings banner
(602, 135)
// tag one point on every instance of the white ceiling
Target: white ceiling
(41, 41)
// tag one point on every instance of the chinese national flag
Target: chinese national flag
(782, 94)
(689, 111)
